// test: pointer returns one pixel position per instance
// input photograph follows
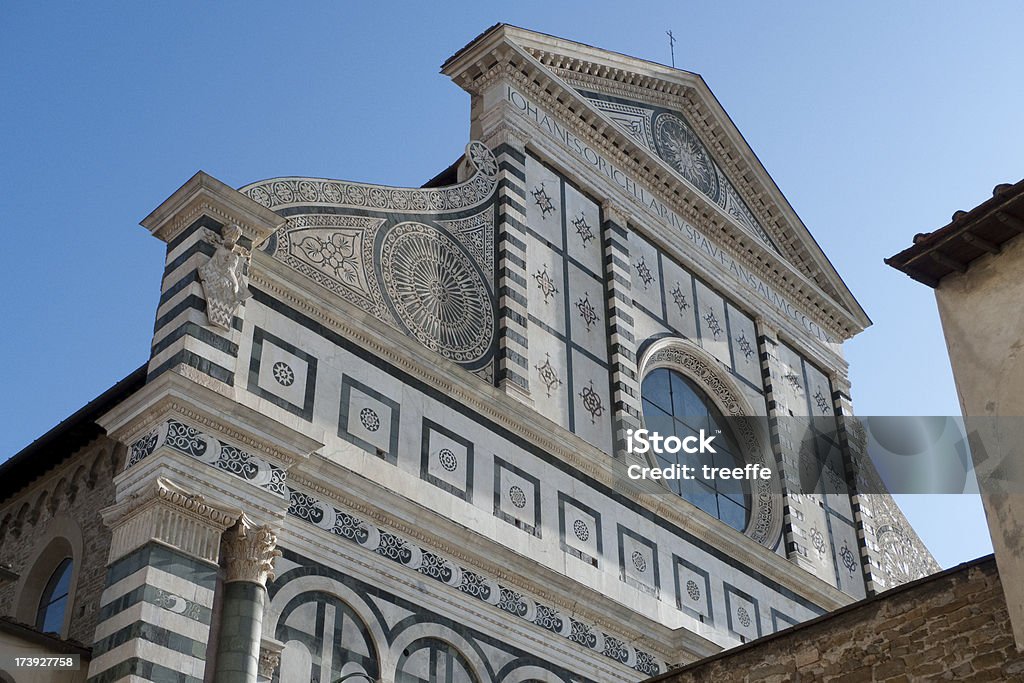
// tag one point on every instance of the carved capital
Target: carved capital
(249, 552)
(615, 212)
(166, 512)
(504, 133)
(270, 659)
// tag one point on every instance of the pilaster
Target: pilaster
(513, 347)
(786, 443)
(853, 442)
(210, 230)
(155, 613)
(625, 382)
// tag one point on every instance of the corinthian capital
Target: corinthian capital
(249, 552)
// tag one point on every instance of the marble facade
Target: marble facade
(420, 396)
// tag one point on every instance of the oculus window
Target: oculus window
(675, 405)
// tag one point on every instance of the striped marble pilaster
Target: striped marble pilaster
(155, 611)
(182, 333)
(193, 222)
(793, 516)
(625, 383)
(513, 365)
(853, 445)
(155, 615)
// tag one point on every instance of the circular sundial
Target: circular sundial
(438, 293)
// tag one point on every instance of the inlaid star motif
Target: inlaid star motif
(587, 311)
(546, 284)
(745, 348)
(543, 201)
(644, 272)
(548, 375)
(583, 229)
(713, 325)
(679, 298)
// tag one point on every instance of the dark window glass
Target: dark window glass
(54, 601)
(688, 411)
(433, 661)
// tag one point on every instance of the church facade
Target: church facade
(382, 433)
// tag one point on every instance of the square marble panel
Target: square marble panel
(781, 621)
(638, 561)
(847, 554)
(790, 387)
(587, 314)
(693, 589)
(743, 340)
(579, 528)
(369, 419)
(819, 392)
(282, 374)
(544, 211)
(592, 409)
(646, 275)
(446, 460)
(549, 375)
(545, 284)
(680, 302)
(713, 324)
(517, 496)
(742, 613)
(583, 230)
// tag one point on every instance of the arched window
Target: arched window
(53, 602)
(432, 660)
(675, 405)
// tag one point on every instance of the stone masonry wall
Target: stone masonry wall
(949, 626)
(71, 494)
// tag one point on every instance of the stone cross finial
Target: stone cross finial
(249, 552)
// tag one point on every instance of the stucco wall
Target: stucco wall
(952, 626)
(983, 320)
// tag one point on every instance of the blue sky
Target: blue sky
(876, 119)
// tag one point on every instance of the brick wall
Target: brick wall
(72, 493)
(949, 626)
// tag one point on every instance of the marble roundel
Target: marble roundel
(437, 292)
(677, 144)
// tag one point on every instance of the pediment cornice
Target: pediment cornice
(551, 75)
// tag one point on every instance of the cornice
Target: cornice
(171, 394)
(204, 194)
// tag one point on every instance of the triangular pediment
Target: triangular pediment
(670, 122)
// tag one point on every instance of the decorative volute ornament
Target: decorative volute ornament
(249, 552)
(225, 276)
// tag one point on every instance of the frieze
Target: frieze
(322, 514)
(206, 448)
